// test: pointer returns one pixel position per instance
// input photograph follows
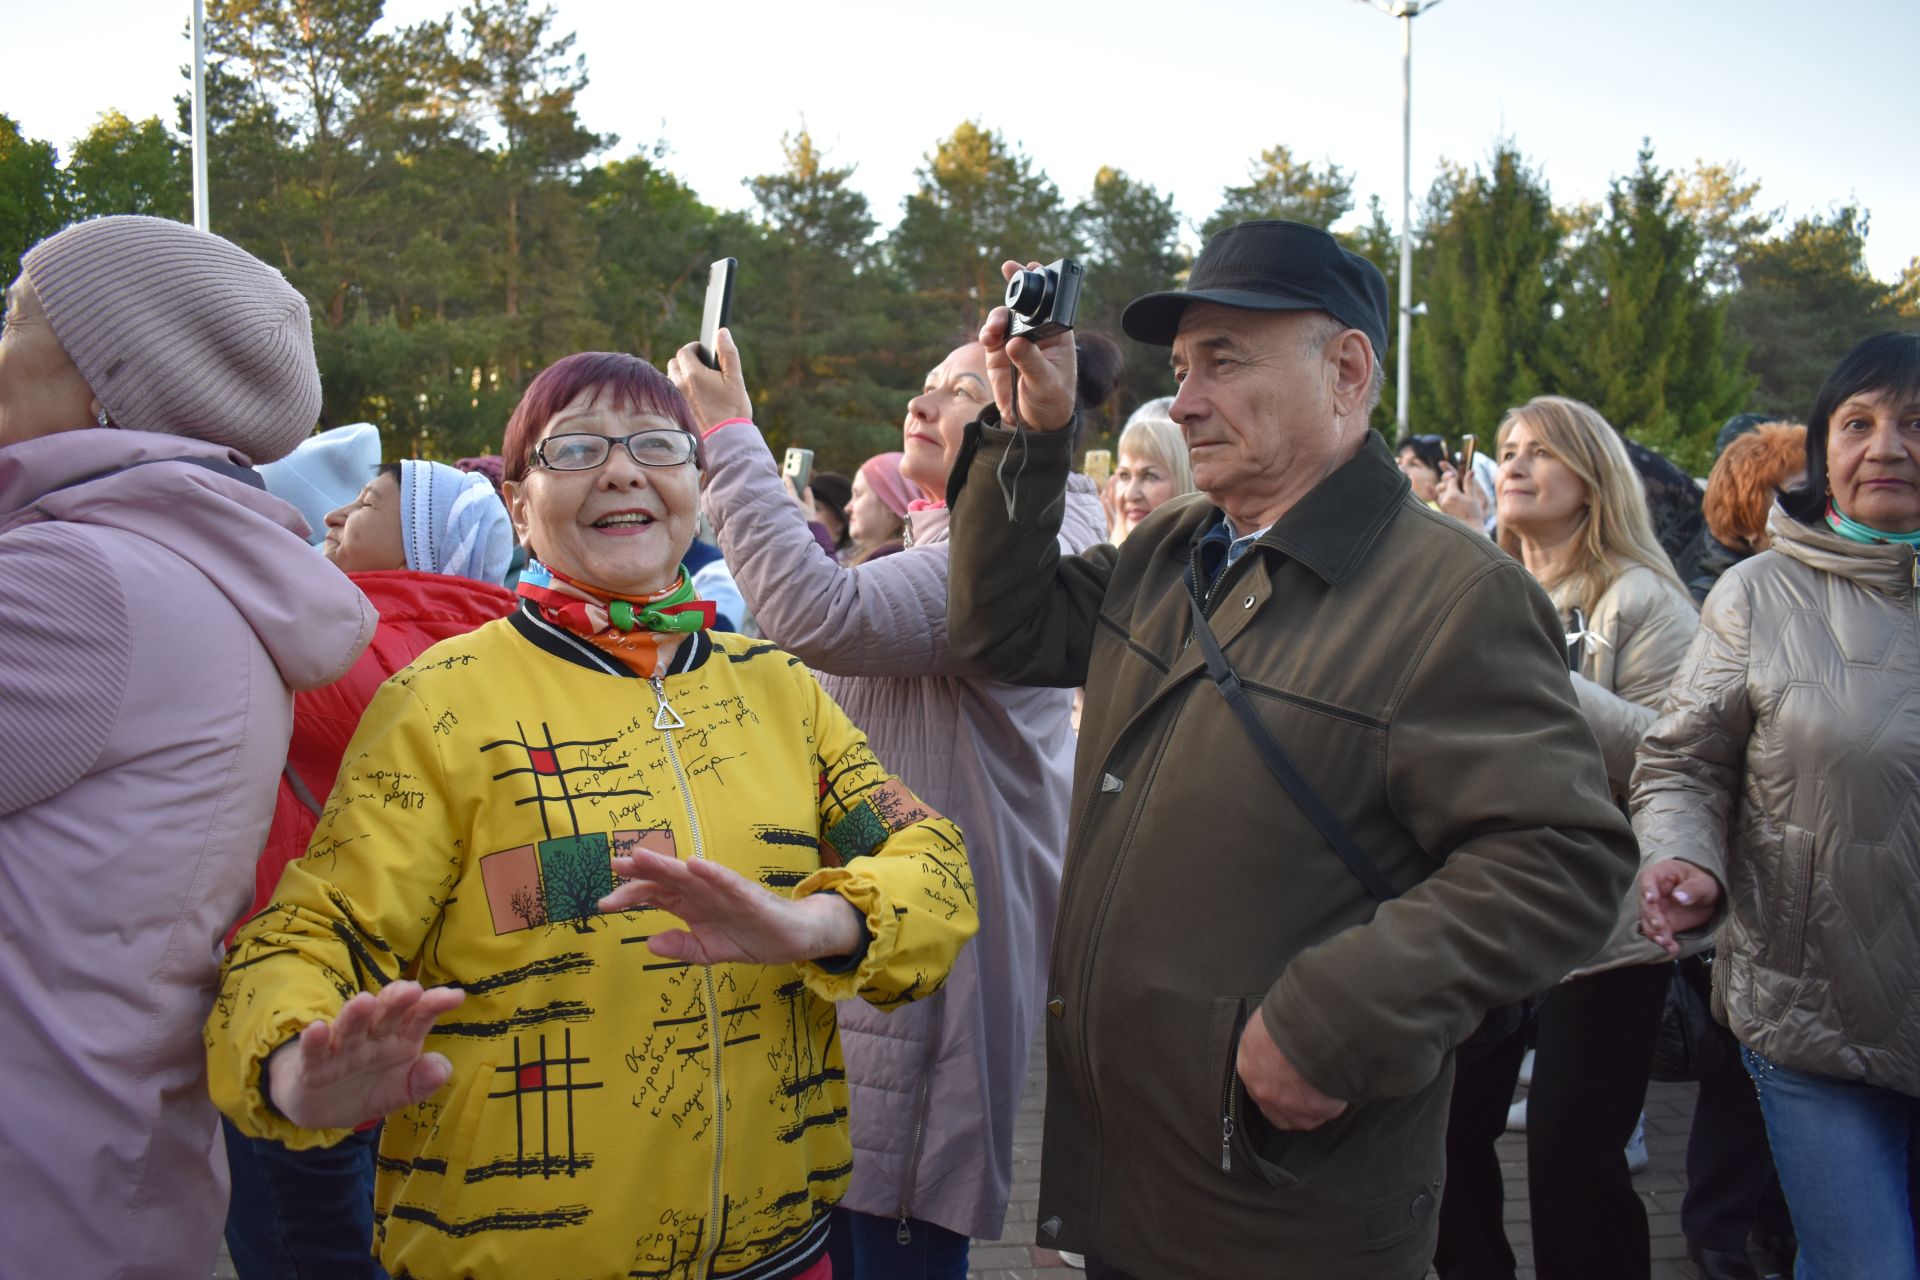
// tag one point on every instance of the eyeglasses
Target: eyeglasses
(583, 452)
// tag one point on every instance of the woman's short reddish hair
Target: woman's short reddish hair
(1742, 484)
(635, 384)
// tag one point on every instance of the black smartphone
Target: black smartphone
(719, 312)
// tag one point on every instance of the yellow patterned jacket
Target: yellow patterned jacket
(611, 1113)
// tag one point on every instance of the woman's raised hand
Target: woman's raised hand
(1049, 370)
(729, 917)
(1460, 498)
(1675, 896)
(717, 395)
(365, 1063)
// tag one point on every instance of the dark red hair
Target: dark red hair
(635, 385)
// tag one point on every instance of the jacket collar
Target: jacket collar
(1887, 569)
(1334, 528)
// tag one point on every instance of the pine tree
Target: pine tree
(1490, 280)
(1278, 186)
(1646, 341)
(1132, 238)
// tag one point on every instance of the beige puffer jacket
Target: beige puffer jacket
(1634, 642)
(1800, 701)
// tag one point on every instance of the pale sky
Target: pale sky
(1814, 100)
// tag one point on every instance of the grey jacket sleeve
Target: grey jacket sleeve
(1651, 632)
(884, 618)
(1688, 773)
(1016, 607)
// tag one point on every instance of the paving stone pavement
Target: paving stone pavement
(1669, 1112)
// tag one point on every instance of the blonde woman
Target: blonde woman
(1572, 510)
(1153, 466)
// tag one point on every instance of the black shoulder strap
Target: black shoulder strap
(1270, 751)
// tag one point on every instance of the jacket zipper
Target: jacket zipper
(1229, 1101)
(902, 1233)
(664, 718)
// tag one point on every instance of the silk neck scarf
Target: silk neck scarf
(640, 632)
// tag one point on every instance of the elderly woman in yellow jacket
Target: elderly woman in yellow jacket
(577, 909)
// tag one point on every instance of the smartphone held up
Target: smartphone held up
(719, 309)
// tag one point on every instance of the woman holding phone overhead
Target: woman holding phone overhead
(934, 1088)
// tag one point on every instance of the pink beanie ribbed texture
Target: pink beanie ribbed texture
(182, 332)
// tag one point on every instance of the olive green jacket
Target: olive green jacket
(1416, 675)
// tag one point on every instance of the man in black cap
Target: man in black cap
(1258, 979)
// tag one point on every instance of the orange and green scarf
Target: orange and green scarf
(641, 632)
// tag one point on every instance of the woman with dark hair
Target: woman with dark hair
(1775, 799)
(935, 1088)
(520, 804)
(1420, 458)
(157, 608)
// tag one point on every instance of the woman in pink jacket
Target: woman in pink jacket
(156, 607)
(935, 1086)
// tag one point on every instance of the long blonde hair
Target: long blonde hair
(1616, 530)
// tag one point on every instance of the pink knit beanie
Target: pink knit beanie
(181, 332)
(882, 471)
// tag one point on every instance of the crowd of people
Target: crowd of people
(603, 858)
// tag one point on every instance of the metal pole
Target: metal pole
(200, 114)
(1401, 390)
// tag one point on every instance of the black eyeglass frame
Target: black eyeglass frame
(607, 444)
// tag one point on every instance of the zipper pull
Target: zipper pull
(903, 1234)
(1226, 1142)
(666, 717)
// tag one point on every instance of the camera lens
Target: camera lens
(1025, 291)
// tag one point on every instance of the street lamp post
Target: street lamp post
(1406, 11)
(200, 114)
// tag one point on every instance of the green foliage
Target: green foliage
(1805, 298)
(1132, 238)
(1278, 186)
(816, 318)
(123, 167)
(1645, 340)
(33, 195)
(1723, 208)
(980, 203)
(1490, 278)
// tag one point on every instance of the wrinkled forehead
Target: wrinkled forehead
(607, 405)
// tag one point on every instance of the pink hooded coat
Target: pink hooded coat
(152, 619)
(935, 1086)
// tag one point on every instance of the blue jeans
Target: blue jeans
(867, 1247)
(301, 1215)
(1849, 1162)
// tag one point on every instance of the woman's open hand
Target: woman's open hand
(1675, 896)
(729, 917)
(365, 1063)
(717, 395)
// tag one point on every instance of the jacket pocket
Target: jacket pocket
(1796, 892)
(1250, 1144)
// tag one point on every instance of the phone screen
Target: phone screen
(719, 310)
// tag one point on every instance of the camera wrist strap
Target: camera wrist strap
(1330, 827)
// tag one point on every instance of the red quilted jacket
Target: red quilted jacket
(417, 611)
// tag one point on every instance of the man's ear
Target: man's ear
(1351, 356)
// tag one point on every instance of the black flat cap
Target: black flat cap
(1271, 266)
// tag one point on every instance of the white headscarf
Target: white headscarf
(452, 522)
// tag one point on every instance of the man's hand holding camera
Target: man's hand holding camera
(1047, 368)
